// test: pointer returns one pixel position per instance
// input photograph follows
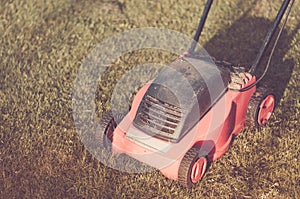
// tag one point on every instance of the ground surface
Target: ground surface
(44, 43)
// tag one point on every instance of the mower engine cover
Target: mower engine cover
(179, 97)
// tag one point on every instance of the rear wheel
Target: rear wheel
(261, 107)
(192, 167)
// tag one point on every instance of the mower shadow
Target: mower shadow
(240, 43)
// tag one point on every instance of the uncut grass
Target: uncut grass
(44, 44)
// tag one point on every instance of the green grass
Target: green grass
(43, 45)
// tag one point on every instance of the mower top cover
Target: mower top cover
(179, 97)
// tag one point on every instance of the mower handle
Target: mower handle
(200, 26)
(269, 36)
(266, 42)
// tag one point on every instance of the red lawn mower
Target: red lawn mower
(186, 117)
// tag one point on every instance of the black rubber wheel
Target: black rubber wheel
(261, 106)
(192, 167)
(106, 129)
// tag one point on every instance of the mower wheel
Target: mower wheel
(192, 167)
(107, 127)
(261, 107)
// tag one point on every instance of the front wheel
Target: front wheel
(192, 167)
(261, 107)
(107, 127)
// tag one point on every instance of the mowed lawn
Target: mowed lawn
(44, 43)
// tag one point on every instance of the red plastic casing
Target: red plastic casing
(212, 133)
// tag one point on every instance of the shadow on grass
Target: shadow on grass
(240, 44)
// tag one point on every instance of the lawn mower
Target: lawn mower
(187, 116)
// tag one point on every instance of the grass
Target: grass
(44, 43)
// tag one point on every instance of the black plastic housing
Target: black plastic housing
(179, 97)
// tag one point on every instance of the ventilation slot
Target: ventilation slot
(157, 116)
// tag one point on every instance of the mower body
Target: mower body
(187, 116)
(187, 105)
